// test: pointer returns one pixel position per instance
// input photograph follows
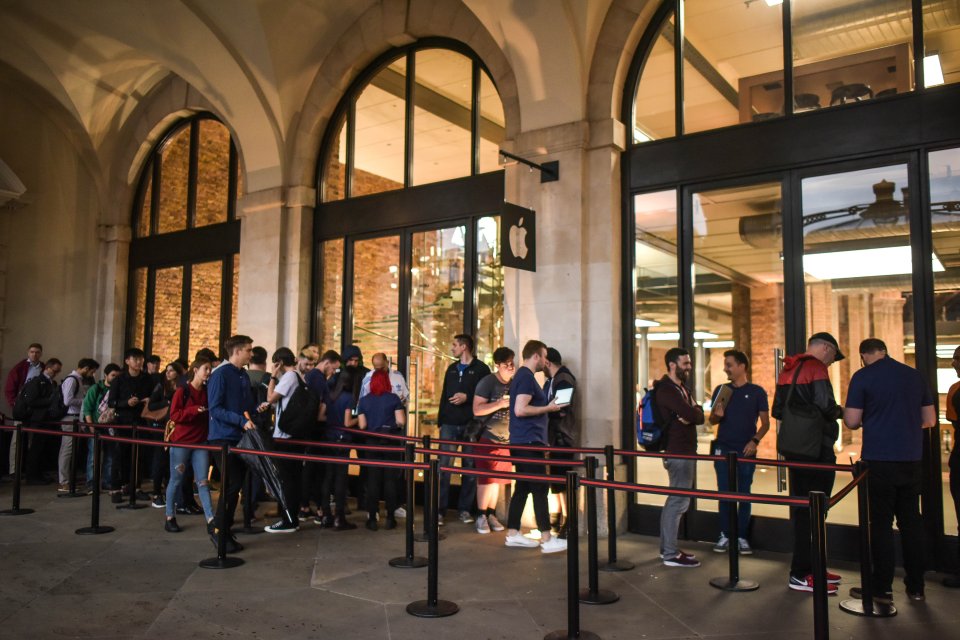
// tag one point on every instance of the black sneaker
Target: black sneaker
(144, 496)
(342, 524)
(171, 526)
(916, 596)
(304, 515)
(324, 522)
(116, 497)
(391, 523)
(281, 527)
(158, 502)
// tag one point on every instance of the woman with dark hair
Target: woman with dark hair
(340, 418)
(188, 411)
(381, 411)
(159, 407)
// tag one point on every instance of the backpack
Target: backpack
(651, 432)
(21, 408)
(105, 414)
(299, 418)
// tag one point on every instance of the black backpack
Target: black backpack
(39, 388)
(299, 418)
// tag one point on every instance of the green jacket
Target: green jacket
(92, 400)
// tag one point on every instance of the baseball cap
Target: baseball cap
(553, 356)
(826, 337)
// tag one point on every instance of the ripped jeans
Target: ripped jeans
(200, 459)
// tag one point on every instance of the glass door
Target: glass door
(376, 296)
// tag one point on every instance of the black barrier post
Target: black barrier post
(222, 561)
(15, 510)
(134, 485)
(573, 630)
(409, 560)
(75, 449)
(95, 527)
(248, 503)
(594, 594)
(818, 548)
(425, 535)
(732, 582)
(612, 563)
(866, 605)
(433, 607)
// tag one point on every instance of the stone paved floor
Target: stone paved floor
(140, 582)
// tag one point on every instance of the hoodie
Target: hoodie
(813, 388)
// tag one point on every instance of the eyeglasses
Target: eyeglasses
(507, 365)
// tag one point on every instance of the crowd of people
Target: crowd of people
(326, 397)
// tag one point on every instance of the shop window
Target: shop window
(654, 109)
(941, 42)
(379, 138)
(331, 305)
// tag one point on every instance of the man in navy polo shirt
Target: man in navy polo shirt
(893, 404)
(736, 408)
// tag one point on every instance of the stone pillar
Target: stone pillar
(112, 278)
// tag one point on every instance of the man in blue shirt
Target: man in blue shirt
(230, 401)
(893, 404)
(528, 425)
(736, 408)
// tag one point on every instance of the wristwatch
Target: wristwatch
(755, 441)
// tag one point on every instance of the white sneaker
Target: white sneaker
(482, 525)
(494, 523)
(399, 512)
(553, 545)
(534, 534)
(517, 540)
(745, 548)
(722, 544)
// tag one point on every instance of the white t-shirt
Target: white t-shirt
(287, 385)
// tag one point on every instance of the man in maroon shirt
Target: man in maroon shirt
(681, 415)
(16, 379)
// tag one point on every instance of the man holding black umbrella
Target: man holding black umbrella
(230, 400)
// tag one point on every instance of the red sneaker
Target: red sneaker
(833, 578)
(806, 584)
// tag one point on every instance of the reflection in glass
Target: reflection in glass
(492, 122)
(441, 118)
(143, 216)
(846, 51)
(737, 304)
(733, 64)
(139, 307)
(657, 298)
(436, 315)
(174, 182)
(213, 173)
(378, 158)
(331, 305)
(945, 223)
(941, 42)
(335, 169)
(857, 271)
(205, 296)
(235, 297)
(654, 112)
(489, 289)
(168, 300)
(376, 295)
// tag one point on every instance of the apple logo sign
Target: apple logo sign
(518, 240)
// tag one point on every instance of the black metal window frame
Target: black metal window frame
(901, 129)
(185, 248)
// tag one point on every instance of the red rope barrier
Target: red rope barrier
(311, 458)
(47, 432)
(696, 493)
(385, 436)
(843, 493)
(661, 454)
(523, 447)
(340, 445)
(484, 456)
(160, 443)
(503, 474)
(792, 464)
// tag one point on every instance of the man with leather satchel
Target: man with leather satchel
(808, 413)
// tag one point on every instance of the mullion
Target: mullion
(185, 297)
(193, 170)
(405, 302)
(794, 288)
(149, 307)
(787, 35)
(918, 45)
(351, 125)
(678, 65)
(410, 107)
(155, 191)
(226, 299)
(475, 120)
(232, 182)
(470, 272)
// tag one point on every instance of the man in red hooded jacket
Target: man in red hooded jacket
(24, 370)
(813, 388)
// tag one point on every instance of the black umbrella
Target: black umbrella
(264, 466)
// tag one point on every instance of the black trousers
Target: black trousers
(802, 482)
(382, 481)
(895, 492)
(229, 493)
(335, 482)
(524, 488)
(291, 477)
(311, 479)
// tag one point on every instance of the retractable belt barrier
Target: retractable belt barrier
(817, 502)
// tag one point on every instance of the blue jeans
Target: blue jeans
(681, 474)
(107, 455)
(200, 461)
(468, 484)
(744, 481)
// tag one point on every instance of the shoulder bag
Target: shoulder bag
(801, 428)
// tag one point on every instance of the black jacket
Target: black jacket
(42, 398)
(126, 387)
(453, 383)
(563, 428)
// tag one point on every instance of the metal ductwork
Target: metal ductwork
(837, 30)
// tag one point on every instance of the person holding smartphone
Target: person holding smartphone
(563, 430)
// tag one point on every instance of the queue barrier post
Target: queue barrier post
(818, 548)
(433, 607)
(75, 453)
(612, 563)
(593, 594)
(132, 505)
(733, 582)
(866, 605)
(95, 527)
(222, 561)
(409, 560)
(424, 536)
(573, 630)
(15, 509)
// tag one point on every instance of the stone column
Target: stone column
(112, 277)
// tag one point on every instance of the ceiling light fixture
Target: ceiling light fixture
(674, 336)
(862, 263)
(932, 71)
(640, 322)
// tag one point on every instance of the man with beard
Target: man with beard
(681, 415)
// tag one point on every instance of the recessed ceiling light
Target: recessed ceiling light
(932, 71)
(773, 3)
(862, 263)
